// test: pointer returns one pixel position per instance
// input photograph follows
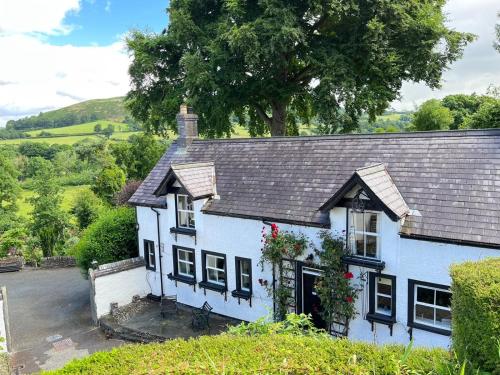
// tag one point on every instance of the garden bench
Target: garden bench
(201, 316)
(168, 306)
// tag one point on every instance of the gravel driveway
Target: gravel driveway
(50, 322)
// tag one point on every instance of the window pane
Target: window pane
(384, 304)
(443, 318)
(245, 266)
(425, 295)
(360, 244)
(183, 268)
(211, 275)
(425, 314)
(181, 202)
(245, 282)
(358, 221)
(221, 276)
(443, 298)
(191, 220)
(371, 246)
(211, 261)
(384, 286)
(183, 219)
(190, 269)
(183, 255)
(189, 204)
(220, 263)
(191, 256)
(370, 222)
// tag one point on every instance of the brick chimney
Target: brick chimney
(187, 126)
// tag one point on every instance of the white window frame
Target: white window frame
(353, 232)
(179, 260)
(150, 253)
(217, 270)
(433, 306)
(248, 275)
(188, 212)
(377, 293)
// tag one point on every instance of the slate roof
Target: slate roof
(451, 178)
(197, 178)
(377, 178)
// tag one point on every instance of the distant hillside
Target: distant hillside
(112, 109)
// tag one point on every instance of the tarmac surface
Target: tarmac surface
(49, 318)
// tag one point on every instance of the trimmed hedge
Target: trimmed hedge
(260, 354)
(476, 313)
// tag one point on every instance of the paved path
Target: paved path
(50, 323)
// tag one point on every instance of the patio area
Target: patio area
(141, 321)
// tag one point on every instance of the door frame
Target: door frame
(299, 301)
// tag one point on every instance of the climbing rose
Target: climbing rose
(348, 275)
(275, 234)
(349, 299)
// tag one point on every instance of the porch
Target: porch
(141, 321)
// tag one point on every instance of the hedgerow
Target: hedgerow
(476, 313)
(259, 354)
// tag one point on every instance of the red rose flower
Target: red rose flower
(348, 275)
(275, 234)
(349, 299)
(274, 226)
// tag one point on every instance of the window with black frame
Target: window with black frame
(382, 298)
(149, 255)
(244, 275)
(185, 211)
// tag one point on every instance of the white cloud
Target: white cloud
(107, 8)
(480, 65)
(38, 76)
(35, 16)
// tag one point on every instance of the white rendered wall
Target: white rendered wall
(404, 258)
(119, 287)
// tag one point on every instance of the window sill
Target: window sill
(211, 286)
(241, 294)
(423, 327)
(380, 318)
(182, 279)
(355, 260)
(186, 231)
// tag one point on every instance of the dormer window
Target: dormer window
(185, 211)
(364, 233)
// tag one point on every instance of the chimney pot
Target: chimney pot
(187, 126)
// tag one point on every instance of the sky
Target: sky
(55, 53)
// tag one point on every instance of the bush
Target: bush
(110, 238)
(476, 313)
(263, 354)
(109, 182)
(86, 208)
(126, 192)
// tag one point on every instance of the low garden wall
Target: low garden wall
(116, 283)
(58, 262)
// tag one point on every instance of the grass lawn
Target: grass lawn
(69, 195)
(87, 127)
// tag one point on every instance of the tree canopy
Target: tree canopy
(276, 63)
(432, 115)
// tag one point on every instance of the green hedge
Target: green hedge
(110, 238)
(476, 313)
(261, 354)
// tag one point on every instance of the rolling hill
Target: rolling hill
(91, 110)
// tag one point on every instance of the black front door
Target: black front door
(311, 303)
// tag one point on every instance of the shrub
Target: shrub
(262, 354)
(109, 182)
(110, 238)
(86, 208)
(126, 193)
(476, 313)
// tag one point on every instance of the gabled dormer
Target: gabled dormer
(368, 193)
(188, 182)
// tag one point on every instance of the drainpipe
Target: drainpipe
(159, 247)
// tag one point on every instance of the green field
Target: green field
(88, 128)
(69, 140)
(69, 195)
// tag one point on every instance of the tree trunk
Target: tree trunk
(278, 121)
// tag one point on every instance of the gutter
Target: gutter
(159, 247)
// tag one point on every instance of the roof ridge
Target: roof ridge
(418, 134)
(191, 165)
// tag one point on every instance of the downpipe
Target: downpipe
(159, 247)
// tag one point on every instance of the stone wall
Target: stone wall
(58, 262)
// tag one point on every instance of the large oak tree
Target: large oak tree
(276, 63)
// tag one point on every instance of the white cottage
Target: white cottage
(410, 206)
